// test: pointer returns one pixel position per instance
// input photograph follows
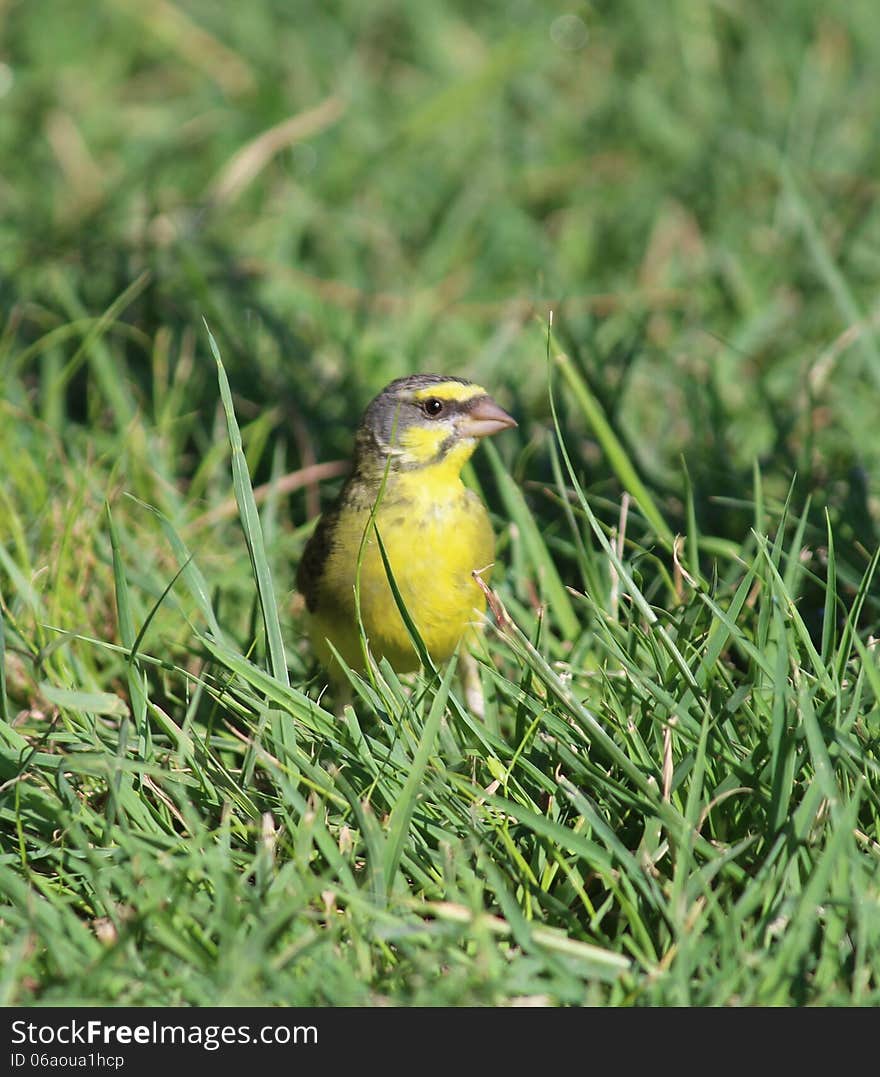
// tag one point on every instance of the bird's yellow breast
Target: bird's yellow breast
(436, 533)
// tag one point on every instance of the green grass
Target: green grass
(673, 798)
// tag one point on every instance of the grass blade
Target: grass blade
(250, 522)
(612, 446)
(402, 812)
(542, 563)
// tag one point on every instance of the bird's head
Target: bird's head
(426, 420)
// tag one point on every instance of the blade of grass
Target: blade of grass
(778, 584)
(782, 743)
(550, 582)
(611, 445)
(253, 532)
(795, 946)
(402, 812)
(410, 624)
(189, 570)
(848, 633)
(635, 593)
(107, 374)
(137, 683)
(5, 714)
(829, 614)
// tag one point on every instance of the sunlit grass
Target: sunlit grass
(673, 797)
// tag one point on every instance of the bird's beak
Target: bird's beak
(484, 418)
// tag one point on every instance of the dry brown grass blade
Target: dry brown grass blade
(295, 480)
(193, 43)
(248, 162)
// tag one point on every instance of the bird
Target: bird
(404, 488)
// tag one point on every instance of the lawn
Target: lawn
(652, 232)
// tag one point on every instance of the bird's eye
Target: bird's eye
(432, 407)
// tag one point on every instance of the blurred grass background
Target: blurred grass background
(347, 193)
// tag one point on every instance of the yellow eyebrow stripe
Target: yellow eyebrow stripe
(449, 390)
